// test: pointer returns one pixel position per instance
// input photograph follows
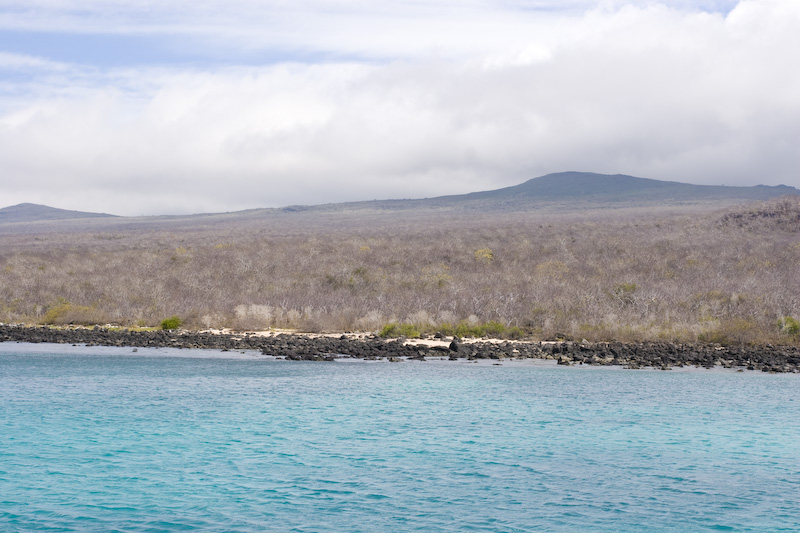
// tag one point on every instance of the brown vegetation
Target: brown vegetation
(729, 277)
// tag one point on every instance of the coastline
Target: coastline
(308, 347)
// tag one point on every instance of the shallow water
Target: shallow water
(163, 440)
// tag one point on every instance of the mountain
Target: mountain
(563, 192)
(35, 213)
(575, 191)
(614, 190)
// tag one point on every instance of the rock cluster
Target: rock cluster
(665, 355)
(662, 355)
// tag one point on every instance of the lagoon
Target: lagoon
(95, 438)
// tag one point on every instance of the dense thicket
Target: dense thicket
(726, 276)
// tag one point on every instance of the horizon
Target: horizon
(60, 208)
(144, 108)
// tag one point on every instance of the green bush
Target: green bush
(399, 330)
(389, 330)
(173, 322)
(789, 326)
(492, 329)
(465, 330)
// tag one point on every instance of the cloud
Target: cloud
(332, 28)
(648, 90)
(22, 62)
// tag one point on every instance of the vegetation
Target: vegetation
(789, 326)
(630, 275)
(465, 328)
(63, 312)
(399, 330)
(173, 322)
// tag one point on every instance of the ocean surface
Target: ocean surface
(101, 439)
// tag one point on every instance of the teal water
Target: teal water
(103, 439)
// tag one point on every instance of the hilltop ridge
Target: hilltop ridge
(570, 191)
(614, 190)
(27, 212)
(575, 191)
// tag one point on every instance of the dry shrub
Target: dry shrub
(372, 321)
(617, 276)
(735, 331)
(421, 318)
(310, 325)
(251, 317)
(780, 214)
(66, 313)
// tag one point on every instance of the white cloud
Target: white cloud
(22, 62)
(642, 89)
(353, 28)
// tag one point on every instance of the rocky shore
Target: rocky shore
(662, 355)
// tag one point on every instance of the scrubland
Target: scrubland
(730, 276)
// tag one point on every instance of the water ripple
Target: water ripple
(114, 441)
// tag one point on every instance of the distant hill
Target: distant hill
(563, 192)
(621, 188)
(35, 213)
(617, 190)
(571, 191)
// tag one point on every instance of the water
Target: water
(105, 439)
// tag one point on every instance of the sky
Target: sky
(147, 107)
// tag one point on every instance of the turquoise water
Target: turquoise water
(105, 439)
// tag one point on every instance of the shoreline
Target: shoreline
(316, 347)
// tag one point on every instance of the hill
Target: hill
(34, 212)
(562, 193)
(620, 188)
(697, 272)
(571, 192)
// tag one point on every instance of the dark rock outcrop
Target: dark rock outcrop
(662, 355)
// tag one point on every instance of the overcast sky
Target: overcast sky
(182, 106)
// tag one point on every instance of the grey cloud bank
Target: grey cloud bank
(456, 98)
